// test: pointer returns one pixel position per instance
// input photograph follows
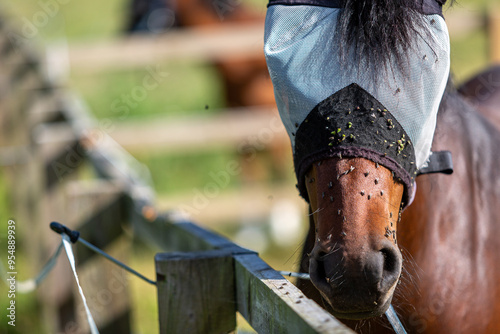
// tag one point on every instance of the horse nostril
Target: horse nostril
(390, 261)
(391, 266)
(320, 255)
(323, 262)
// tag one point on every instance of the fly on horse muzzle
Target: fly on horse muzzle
(360, 136)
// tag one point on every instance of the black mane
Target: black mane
(379, 29)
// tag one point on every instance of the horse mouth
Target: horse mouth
(352, 300)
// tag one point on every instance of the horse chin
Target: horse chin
(375, 309)
(360, 314)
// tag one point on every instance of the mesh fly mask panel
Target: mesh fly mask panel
(330, 109)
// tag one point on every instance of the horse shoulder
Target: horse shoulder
(451, 233)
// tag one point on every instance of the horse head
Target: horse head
(361, 123)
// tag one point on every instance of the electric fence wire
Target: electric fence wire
(67, 238)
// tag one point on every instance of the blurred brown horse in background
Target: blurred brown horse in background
(245, 79)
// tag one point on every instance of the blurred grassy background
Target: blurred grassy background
(190, 87)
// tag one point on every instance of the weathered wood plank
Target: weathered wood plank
(271, 304)
(30, 104)
(106, 288)
(228, 128)
(103, 225)
(209, 280)
(242, 40)
(63, 161)
(47, 107)
(196, 292)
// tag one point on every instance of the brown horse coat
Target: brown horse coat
(451, 233)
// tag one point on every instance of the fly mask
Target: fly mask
(337, 107)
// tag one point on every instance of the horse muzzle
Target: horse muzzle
(355, 263)
(359, 285)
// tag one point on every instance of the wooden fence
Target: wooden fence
(237, 40)
(61, 167)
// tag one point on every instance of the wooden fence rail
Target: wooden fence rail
(198, 44)
(269, 302)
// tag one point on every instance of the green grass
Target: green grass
(71, 19)
(180, 173)
(184, 88)
(175, 173)
(469, 55)
(143, 295)
(472, 4)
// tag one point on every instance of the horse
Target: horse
(434, 255)
(449, 237)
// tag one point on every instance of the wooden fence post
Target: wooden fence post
(196, 292)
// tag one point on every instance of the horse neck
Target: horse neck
(457, 211)
(450, 235)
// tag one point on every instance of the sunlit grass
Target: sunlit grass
(469, 55)
(174, 173)
(69, 19)
(183, 88)
(143, 295)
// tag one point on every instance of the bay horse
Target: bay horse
(434, 255)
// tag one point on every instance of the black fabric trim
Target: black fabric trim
(320, 3)
(429, 7)
(367, 130)
(439, 162)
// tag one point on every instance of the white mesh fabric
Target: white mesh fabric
(305, 69)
